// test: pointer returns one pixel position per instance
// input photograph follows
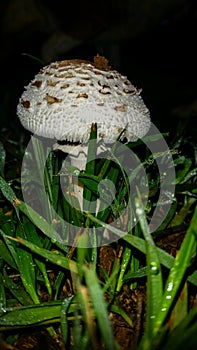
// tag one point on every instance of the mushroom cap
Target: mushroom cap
(66, 97)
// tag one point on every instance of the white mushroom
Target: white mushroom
(66, 97)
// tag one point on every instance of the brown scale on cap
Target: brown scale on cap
(52, 99)
(101, 62)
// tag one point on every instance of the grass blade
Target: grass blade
(154, 276)
(165, 259)
(5, 255)
(63, 318)
(26, 267)
(18, 317)
(98, 302)
(37, 219)
(178, 271)
(16, 291)
(54, 258)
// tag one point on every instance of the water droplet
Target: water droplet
(170, 286)
(2, 310)
(139, 211)
(154, 268)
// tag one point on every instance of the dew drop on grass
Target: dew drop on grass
(154, 268)
(163, 309)
(2, 310)
(170, 286)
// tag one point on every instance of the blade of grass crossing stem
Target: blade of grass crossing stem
(104, 211)
(90, 170)
(154, 275)
(178, 271)
(90, 202)
(55, 186)
(104, 165)
(100, 310)
(71, 211)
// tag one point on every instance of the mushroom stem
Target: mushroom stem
(77, 156)
(80, 163)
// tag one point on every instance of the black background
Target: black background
(152, 42)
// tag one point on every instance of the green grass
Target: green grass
(36, 262)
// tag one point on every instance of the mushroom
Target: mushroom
(66, 97)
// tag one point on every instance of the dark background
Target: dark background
(153, 42)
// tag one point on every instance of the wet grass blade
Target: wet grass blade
(90, 169)
(7, 190)
(3, 301)
(89, 199)
(63, 318)
(26, 267)
(15, 290)
(117, 310)
(124, 264)
(11, 247)
(54, 258)
(154, 275)
(178, 272)
(6, 256)
(165, 259)
(23, 316)
(33, 236)
(97, 299)
(184, 335)
(37, 219)
(180, 309)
